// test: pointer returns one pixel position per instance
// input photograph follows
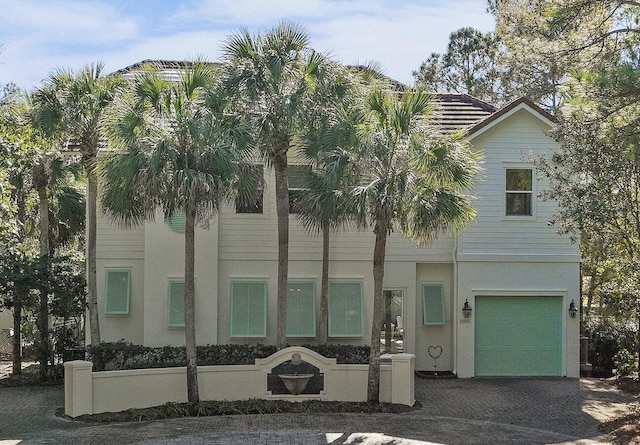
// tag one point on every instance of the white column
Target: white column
(402, 379)
(78, 388)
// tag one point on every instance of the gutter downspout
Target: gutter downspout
(454, 315)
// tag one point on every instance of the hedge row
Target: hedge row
(124, 355)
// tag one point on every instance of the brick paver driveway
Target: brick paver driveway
(464, 411)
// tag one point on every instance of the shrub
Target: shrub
(625, 363)
(124, 355)
(607, 338)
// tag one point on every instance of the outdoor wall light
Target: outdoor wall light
(466, 309)
(573, 310)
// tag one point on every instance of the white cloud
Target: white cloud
(90, 23)
(398, 34)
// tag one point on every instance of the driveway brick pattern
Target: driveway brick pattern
(464, 411)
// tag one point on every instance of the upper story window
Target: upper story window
(297, 184)
(519, 192)
(253, 206)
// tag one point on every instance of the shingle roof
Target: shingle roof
(459, 111)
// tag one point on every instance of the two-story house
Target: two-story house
(512, 270)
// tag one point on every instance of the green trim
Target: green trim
(301, 309)
(117, 291)
(433, 313)
(175, 304)
(346, 309)
(248, 309)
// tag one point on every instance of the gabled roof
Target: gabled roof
(454, 112)
(508, 110)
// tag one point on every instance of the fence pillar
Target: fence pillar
(78, 388)
(402, 379)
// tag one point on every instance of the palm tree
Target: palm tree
(273, 76)
(179, 151)
(412, 180)
(73, 104)
(320, 208)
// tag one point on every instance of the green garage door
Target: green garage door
(518, 336)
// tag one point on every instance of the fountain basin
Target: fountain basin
(295, 383)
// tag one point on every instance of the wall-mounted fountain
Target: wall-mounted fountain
(295, 376)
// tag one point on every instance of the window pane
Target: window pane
(433, 304)
(117, 291)
(176, 303)
(519, 179)
(248, 309)
(301, 320)
(519, 204)
(345, 309)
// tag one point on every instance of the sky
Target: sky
(40, 36)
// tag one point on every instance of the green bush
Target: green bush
(607, 337)
(625, 362)
(124, 355)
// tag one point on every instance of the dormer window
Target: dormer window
(519, 192)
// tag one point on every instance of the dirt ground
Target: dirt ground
(625, 429)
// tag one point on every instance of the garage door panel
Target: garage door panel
(518, 336)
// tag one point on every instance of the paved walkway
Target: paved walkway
(464, 411)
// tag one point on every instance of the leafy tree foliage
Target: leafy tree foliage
(179, 149)
(412, 180)
(274, 77)
(468, 66)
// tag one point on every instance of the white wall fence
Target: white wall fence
(88, 392)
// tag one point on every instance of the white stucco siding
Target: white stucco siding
(434, 336)
(122, 326)
(165, 261)
(513, 143)
(118, 247)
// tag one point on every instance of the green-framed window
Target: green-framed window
(175, 304)
(433, 304)
(345, 309)
(117, 291)
(248, 309)
(301, 309)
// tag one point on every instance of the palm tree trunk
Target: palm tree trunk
(43, 307)
(379, 250)
(282, 208)
(92, 285)
(21, 293)
(19, 296)
(323, 333)
(193, 395)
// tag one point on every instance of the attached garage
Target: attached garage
(518, 336)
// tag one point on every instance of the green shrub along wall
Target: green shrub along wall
(123, 355)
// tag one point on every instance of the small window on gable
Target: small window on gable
(175, 305)
(256, 205)
(301, 309)
(345, 309)
(248, 309)
(178, 221)
(297, 177)
(433, 304)
(117, 291)
(519, 192)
